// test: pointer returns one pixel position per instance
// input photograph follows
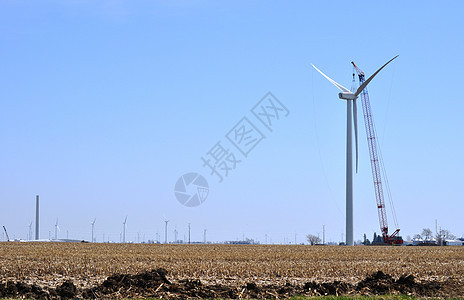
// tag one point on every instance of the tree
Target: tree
(427, 233)
(378, 239)
(444, 234)
(366, 240)
(417, 237)
(313, 239)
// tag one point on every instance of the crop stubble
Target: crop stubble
(50, 264)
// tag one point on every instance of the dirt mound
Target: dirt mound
(154, 284)
(129, 285)
(18, 289)
(328, 288)
(381, 284)
(66, 290)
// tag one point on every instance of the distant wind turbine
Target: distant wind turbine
(30, 232)
(166, 221)
(124, 230)
(93, 224)
(351, 97)
(56, 229)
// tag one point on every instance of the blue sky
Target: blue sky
(105, 104)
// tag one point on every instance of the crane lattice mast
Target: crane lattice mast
(377, 166)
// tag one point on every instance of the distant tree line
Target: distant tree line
(426, 236)
(440, 237)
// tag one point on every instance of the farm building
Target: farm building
(453, 243)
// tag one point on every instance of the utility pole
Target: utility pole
(37, 217)
(441, 238)
(189, 233)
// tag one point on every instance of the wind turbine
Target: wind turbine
(124, 230)
(30, 231)
(166, 221)
(93, 224)
(56, 229)
(350, 97)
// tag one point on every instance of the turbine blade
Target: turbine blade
(355, 119)
(363, 86)
(341, 87)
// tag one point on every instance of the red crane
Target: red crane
(377, 168)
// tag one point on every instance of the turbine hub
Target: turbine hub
(347, 96)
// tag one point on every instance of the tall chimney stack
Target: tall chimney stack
(37, 217)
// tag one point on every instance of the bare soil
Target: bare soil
(157, 284)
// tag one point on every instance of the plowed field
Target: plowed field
(227, 271)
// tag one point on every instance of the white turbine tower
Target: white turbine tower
(56, 229)
(351, 97)
(124, 230)
(93, 225)
(166, 221)
(30, 232)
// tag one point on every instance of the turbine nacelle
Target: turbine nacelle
(347, 96)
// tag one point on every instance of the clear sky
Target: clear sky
(105, 104)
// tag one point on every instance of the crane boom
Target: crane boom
(7, 237)
(376, 164)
